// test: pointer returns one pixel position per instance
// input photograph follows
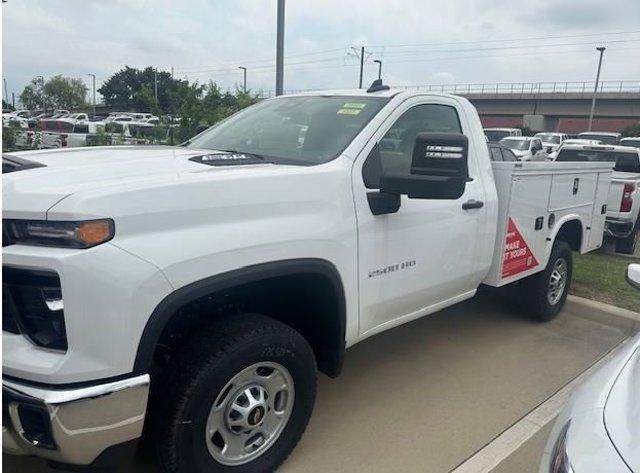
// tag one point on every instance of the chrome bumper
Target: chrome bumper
(72, 426)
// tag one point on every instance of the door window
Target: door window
(396, 146)
(495, 154)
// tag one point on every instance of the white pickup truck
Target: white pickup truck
(195, 290)
(623, 203)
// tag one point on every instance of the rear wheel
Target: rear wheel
(544, 293)
(629, 244)
(238, 398)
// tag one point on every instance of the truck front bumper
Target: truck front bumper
(72, 426)
(618, 228)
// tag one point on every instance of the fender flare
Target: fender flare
(556, 229)
(165, 310)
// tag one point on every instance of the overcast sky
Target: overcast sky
(207, 39)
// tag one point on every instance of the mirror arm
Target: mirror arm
(382, 203)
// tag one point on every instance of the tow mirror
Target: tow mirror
(439, 168)
(633, 275)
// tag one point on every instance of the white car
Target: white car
(525, 148)
(21, 117)
(634, 141)
(551, 141)
(571, 141)
(606, 137)
(494, 135)
(599, 428)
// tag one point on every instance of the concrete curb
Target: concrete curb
(607, 314)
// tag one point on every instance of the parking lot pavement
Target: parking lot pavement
(427, 395)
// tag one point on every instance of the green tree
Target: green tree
(65, 92)
(631, 130)
(32, 96)
(6, 105)
(57, 92)
(125, 90)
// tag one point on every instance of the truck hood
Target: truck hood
(49, 176)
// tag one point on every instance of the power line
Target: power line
(416, 55)
(505, 40)
(186, 69)
(495, 48)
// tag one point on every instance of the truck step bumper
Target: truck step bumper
(72, 426)
(618, 228)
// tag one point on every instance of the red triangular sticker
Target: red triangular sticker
(517, 255)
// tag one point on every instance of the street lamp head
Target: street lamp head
(601, 48)
(242, 67)
(377, 61)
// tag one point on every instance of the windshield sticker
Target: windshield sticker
(359, 105)
(349, 111)
(351, 108)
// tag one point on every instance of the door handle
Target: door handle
(472, 204)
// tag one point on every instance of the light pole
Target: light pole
(595, 89)
(280, 48)
(44, 105)
(93, 76)
(244, 80)
(379, 67)
(155, 84)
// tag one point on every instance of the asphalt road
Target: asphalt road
(427, 395)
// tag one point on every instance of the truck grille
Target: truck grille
(9, 313)
(32, 305)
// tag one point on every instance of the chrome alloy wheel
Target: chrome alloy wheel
(250, 413)
(557, 281)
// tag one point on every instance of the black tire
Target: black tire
(535, 288)
(627, 246)
(196, 376)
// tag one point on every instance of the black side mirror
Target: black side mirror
(439, 168)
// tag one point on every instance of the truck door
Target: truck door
(420, 258)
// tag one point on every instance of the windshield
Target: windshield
(514, 143)
(496, 135)
(293, 130)
(555, 139)
(625, 162)
(605, 139)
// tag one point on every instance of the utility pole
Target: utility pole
(280, 49)
(379, 67)
(13, 100)
(93, 76)
(155, 84)
(172, 72)
(244, 81)
(361, 66)
(6, 96)
(595, 89)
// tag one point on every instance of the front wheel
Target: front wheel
(239, 398)
(544, 293)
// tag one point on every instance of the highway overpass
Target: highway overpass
(551, 106)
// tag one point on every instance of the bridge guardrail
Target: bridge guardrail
(513, 88)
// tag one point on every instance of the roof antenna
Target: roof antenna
(377, 86)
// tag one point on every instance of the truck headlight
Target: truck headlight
(82, 234)
(559, 457)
